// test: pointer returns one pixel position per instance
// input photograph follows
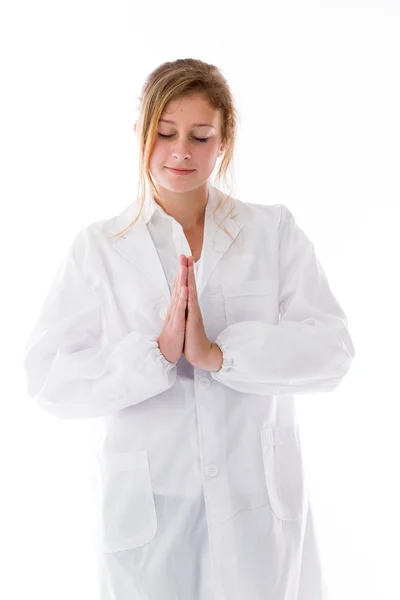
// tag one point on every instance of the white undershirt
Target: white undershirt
(169, 239)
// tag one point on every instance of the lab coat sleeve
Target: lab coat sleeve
(310, 349)
(73, 367)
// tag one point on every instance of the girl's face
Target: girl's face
(190, 140)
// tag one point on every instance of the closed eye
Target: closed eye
(204, 140)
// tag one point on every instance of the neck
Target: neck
(187, 208)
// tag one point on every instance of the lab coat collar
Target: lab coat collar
(138, 247)
(150, 206)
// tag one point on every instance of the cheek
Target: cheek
(158, 157)
(208, 153)
(156, 151)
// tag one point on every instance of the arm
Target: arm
(310, 349)
(73, 367)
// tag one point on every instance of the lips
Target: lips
(184, 170)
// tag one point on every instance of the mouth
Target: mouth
(180, 171)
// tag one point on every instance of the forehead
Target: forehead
(193, 110)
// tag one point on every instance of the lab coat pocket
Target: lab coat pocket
(284, 473)
(252, 300)
(128, 513)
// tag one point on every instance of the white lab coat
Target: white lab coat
(202, 491)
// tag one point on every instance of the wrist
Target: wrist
(215, 358)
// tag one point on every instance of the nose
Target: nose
(181, 150)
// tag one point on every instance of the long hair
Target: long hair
(175, 80)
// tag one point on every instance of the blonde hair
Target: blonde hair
(175, 80)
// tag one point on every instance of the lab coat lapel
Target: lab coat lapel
(137, 245)
(216, 241)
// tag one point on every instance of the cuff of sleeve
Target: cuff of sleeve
(227, 360)
(168, 365)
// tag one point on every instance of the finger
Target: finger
(189, 283)
(182, 290)
(175, 292)
(185, 264)
(192, 306)
(193, 283)
(179, 314)
(183, 260)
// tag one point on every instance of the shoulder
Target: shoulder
(100, 233)
(271, 214)
(91, 234)
(90, 245)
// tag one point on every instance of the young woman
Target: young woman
(188, 324)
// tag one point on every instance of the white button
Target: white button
(163, 313)
(204, 383)
(212, 470)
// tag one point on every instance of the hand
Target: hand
(172, 335)
(198, 349)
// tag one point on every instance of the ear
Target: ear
(221, 149)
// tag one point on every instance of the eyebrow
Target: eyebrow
(194, 124)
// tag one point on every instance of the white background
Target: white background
(316, 85)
